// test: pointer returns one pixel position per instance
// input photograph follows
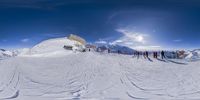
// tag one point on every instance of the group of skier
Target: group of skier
(146, 54)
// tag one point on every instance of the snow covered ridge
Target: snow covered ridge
(193, 55)
(5, 54)
(58, 46)
(116, 49)
(54, 47)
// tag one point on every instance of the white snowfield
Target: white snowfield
(95, 76)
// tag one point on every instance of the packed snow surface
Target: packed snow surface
(94, 76)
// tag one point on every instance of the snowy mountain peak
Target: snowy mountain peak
(5, 54)
(117, 48)
(193, 55)
(2, 50)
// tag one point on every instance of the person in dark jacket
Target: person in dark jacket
(134, 54)
(108, 50)
(118, 51)
(155, 55)
(147, 54)
(144, 55)
(162, 54)
(138, 55)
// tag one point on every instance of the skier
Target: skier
(134, 54)
(155, 55)
(162, 54)
(108, 50)
(138, 55)
(118, 51)
(144, 55)
(147, 54)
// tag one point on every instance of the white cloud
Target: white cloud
(119, 41)
(25, 40)
(53, 34)
(132, 36)
(4, 40)
(148, 47)
(135, 40)
(101, 42)
(177, 40)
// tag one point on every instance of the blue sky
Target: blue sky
(139, 24)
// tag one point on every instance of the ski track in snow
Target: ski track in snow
(94, 76)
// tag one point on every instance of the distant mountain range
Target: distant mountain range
(116, 49)
(54, 45)
(193, 55)
(5, 54)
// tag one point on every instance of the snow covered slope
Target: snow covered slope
(19, 52)
(93, 76)
(52, 47)
(5, 54)
(193, 55)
